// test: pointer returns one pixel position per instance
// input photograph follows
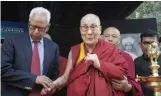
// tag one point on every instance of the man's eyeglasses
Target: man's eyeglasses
(33, 28)
(147, 42)
(86, 28)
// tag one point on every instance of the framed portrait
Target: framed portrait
(130, 44)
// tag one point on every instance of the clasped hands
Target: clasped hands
(93, 58)
(49, 91)
(49, 85)
(121, 85)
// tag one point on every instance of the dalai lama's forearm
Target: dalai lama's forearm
(61, 81)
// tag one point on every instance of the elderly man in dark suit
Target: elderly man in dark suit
(29, 61)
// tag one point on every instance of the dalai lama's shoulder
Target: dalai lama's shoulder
(107, 45)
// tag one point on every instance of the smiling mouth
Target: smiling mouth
(89, 38)
(37, 34)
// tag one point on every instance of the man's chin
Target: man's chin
(36, 38)
(90, 42)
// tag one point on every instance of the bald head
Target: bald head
(90, 18)
(112, 30)
(112, 35)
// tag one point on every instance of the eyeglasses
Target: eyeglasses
(33, 28)
(147, 42)
(86, 28)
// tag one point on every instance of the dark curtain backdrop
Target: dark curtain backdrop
(133, 25)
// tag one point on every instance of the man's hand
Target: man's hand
(44, 81)
(121, 85)
(94, 58)
(48, 91)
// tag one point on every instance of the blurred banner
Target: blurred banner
(9, 28)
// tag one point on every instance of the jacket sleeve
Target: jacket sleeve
(55, 65)
(9, 75)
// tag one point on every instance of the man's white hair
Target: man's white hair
(40, 11)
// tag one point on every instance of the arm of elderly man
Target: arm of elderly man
(15, 77)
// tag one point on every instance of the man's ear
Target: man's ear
(119, 42)
(48, 27)
(28, 24)
(101, 37)
(140, 43)
(100, 27)
(80, 30)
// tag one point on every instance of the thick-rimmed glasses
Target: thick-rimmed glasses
(86, 28)
(147, 42)
(33, 28)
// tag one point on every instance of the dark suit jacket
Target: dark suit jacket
(142, 69)
(16, 61)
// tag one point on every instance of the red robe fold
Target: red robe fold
(86, 80)
(62, 66)
(136, 88)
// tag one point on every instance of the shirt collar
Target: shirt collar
(145, 58)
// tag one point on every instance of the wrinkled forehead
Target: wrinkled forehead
(90, 20)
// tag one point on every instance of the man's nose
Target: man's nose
(36, 30)
(89, 32)
(110, 38)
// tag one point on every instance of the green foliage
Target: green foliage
(148, 9)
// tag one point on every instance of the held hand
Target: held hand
(45, 91)
(49, 92)
(121, 85)
(94, 58)
(44, 81)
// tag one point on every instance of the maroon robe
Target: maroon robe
(136, 88)
(62, 66)
(86, 80)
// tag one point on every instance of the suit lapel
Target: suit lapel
(27, 48)
(47, 57)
